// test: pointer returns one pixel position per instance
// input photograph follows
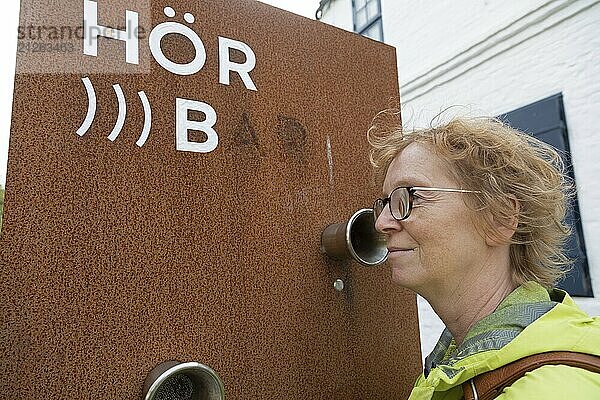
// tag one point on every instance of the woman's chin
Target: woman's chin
(402, 278)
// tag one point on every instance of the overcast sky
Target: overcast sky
(9, 21)
(301, 7)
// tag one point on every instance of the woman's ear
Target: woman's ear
(505, 227)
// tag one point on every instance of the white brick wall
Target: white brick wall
(339, 13)
(490, 57)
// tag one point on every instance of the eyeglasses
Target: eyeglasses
(401, 200)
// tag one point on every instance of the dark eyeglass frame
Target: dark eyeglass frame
(380, 204)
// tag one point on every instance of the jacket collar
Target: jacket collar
(518, 310)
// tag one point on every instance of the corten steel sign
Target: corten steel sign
(171, 168)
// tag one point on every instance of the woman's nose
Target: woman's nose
(386, 223)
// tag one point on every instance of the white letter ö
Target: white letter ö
(166, 28)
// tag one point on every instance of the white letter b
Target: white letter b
(184, 125)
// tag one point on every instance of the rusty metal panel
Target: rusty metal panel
(126, 244)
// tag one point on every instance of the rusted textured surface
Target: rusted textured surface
(117, 257)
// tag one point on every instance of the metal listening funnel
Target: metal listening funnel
(174, 380)
(356, 239)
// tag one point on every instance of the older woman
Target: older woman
(473, 214)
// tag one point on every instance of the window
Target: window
(367, 18)
(545, 120)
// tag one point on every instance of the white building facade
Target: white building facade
(535, 61)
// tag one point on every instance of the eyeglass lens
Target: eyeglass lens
(399, 203)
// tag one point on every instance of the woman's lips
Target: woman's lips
(401, 250)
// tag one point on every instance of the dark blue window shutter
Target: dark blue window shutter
(367, 18)
(545, 120)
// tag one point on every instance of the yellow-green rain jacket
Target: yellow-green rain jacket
(530, 320)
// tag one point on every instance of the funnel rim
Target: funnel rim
(353, 253)
(192, 365)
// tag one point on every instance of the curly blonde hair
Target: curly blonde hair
(503, 164)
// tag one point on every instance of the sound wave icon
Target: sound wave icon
(91, 112)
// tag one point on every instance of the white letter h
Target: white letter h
(92, 30)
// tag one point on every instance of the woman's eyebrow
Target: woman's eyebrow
(410, 182)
